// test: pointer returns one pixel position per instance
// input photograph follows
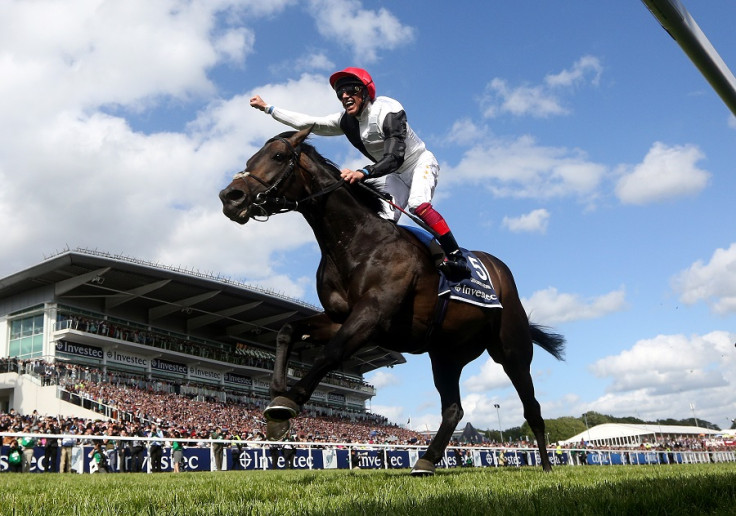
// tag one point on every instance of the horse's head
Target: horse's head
(267, 184)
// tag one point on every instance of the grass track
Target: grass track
(651, 490)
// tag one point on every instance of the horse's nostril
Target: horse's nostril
(233, 195)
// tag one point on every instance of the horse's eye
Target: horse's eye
(279, 156)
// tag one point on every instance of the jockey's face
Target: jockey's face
(351, 101)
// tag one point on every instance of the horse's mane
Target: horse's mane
(367, 198)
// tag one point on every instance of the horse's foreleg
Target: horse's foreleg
(284, 343)
(447, 381)
(317, 328)
(351, 336)
(282, 408)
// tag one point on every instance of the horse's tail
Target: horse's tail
(552, 342)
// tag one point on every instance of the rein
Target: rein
(388, 199)
(269, 198)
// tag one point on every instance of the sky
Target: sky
(577, 143)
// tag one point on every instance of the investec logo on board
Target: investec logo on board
(207, 374)
(238, 379)
(168, 367)
(127, 359)
(81, 350)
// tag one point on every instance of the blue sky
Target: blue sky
(577, 143)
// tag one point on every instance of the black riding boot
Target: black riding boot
(454, 263)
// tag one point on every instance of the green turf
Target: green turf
(657, 489)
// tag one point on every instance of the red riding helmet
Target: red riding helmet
(359, 74)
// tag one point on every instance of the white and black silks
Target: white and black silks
(381, 133)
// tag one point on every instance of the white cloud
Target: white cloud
(83, 55)
(549, 306)
(246, 257)
(235, 44)
(662, 376)
(230, 123)
(397, 415)
(491, 377)
(522, 100)
(523, 169)
(464, 132)
(732, 121)
(479, 409)
(383, 378)
(533, 222)
(541, 100)
(75, 176)
(307, 63)
(318, 61)
(579, 73)
(714, 282)
(422, 422)
(365, 32)
(666, 172)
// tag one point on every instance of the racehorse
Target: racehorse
(378, 286)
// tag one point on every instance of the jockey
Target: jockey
(401, 164)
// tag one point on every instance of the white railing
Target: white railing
(340, 455)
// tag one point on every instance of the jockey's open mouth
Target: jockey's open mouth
(351, 107)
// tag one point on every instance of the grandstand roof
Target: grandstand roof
(611, 431)
(179, 300)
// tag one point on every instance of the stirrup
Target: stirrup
(455, 265)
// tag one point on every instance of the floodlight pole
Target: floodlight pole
(678, 23)
(692, 407)
(585, 417)
(498, 413)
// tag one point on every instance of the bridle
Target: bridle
(270, 202)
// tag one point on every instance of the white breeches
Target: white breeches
(410, 187)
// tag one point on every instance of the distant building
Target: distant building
(120, 314)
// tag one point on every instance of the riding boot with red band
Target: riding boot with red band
(454, 262)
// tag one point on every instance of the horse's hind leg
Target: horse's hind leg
(447, 381)
(522, 380)
(516, 361)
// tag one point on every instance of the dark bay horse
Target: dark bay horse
(378, 286)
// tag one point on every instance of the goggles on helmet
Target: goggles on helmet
(350, 89)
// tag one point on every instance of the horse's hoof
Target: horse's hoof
(423, 468)
(281, 409)
(277, 430)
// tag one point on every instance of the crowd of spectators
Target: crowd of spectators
(66, 374)
(183, 409)
(658, 444)
(193, 418)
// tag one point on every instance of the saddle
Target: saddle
(475, 289)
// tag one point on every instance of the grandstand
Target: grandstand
(182, 328)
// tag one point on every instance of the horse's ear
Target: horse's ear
(300, 136)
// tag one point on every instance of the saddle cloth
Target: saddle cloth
(477, 289)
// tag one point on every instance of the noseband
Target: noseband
(269, 202)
